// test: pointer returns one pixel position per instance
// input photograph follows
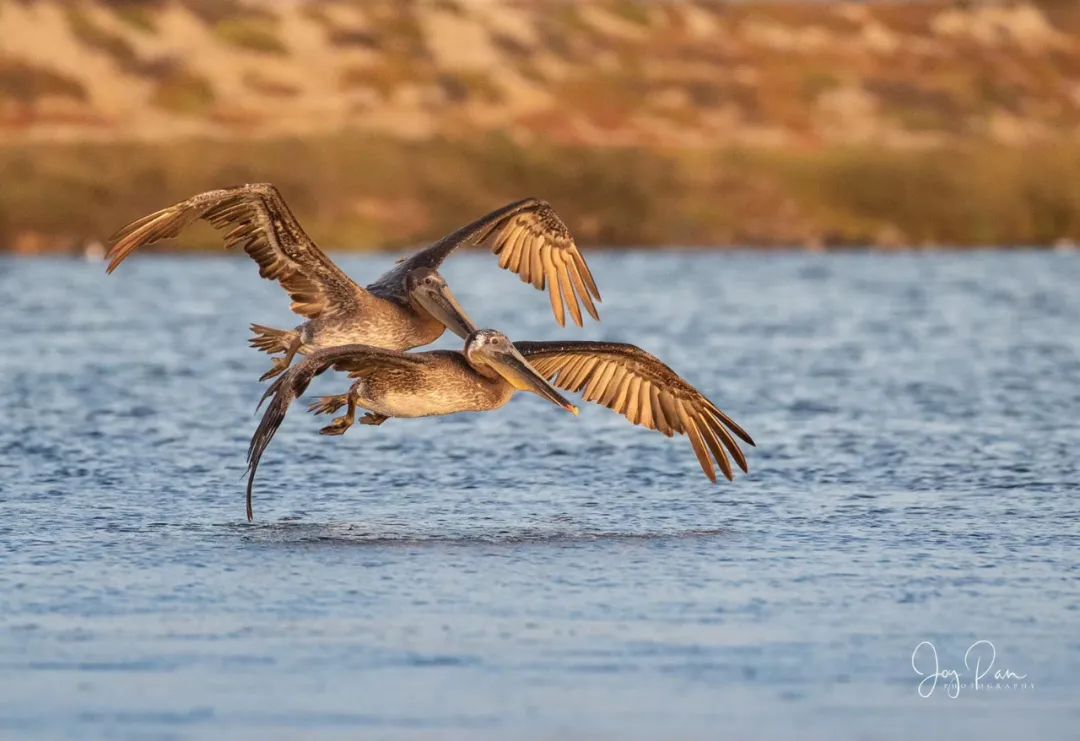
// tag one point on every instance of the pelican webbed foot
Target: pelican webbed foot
(340, 425)
(371, 418)
(282, 364)
(328, 404)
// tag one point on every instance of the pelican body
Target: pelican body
(409, 306)
(490, 370)
(390, 383)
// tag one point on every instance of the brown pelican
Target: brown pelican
(391, 383)
(621, 377)
(408, 307)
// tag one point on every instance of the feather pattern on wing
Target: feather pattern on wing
(637, 385)
(256, 219)
(531, 240)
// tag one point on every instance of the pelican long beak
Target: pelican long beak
(522, 376)
(441, 304)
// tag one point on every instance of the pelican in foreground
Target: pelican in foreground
(407, 307)
(390, 383)
(619, 376)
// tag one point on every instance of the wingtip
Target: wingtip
(114, 259)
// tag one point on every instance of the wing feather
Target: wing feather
(576, 371)
(696, 442)
(519, 251)
(648, 393)
(729, 442)
(506, 244)
(633, 402)
(610, 399)
(554, 290)
(536, 270)
(621, 399)
(658, 412)
(601, 377)
(562, 267)
(529, 239)
(579, 286)
(255, 219)
(646, 419)
(717, 450)
(583, 269)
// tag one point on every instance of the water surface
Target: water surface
(527, 574)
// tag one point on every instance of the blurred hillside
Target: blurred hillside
(387, 122)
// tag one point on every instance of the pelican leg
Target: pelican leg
(282, 364)
(345, 421)
(371, 418)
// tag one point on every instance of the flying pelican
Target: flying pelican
(391, 383)
(621, 377)
(407, 307)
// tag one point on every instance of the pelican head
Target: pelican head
(487, 348)
(428, 291)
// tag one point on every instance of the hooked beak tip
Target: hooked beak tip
(572, 408)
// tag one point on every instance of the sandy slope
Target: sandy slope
(609, 72)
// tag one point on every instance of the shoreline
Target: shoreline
(348, 189)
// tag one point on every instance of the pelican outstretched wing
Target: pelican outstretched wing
(532, 241)
(257, 220)
(640, 387)
(357, 360)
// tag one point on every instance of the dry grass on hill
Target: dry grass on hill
(360, 192)
(386, 121)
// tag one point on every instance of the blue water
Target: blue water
(527, 574)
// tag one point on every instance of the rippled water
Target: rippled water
(526, 574)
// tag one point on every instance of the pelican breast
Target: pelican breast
(443, 384)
